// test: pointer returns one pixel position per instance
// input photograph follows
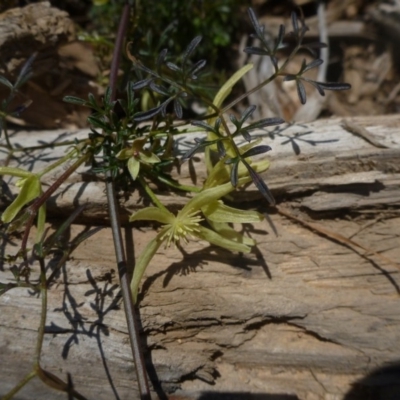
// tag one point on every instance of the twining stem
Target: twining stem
(59, 162)
(43, 314)
(46, 146)
(130, 311)
(20, 385)
(33, 209)
(151, 194)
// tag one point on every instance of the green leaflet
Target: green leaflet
(226, 88)
(30, 190)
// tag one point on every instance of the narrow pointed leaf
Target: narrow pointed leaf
(107, 95)
(25, 72)
(192, 151)
(141, 84)
(256, 150)
(158, 88)
(173, 67)
(289, 77)
(190, 49)
(281, 35)
(301, 92)
(178, 109)
(246, 135)
(98, 123)
(4, 81)
(197, 67)
(133, 167)
(258, 51)
(254, 22)
(248, 112)
(316, 85)
(234, 174)
(204, 125)
(161, 58)
(265, 122)
(261, 185)
(221, 149)
(295, 23)
(313, 64)
(334, 85)
(75, 100)
(142, 116)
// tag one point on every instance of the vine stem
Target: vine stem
(130, 311)
(33, 209)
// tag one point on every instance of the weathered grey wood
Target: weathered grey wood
(302, 316)
(334, 169)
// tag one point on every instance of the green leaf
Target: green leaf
(4, 81)
(133, 167)
(226, 88)
(148, 157)
(18, 172)
(29, 191)
(124, 154)
(75, 100)
(98, 123)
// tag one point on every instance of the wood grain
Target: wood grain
(302, 316)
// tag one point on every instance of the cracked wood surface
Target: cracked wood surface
(301, 316)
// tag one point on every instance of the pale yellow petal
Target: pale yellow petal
(218, 240)
(153, 214)
(143, 261)
(219, 212)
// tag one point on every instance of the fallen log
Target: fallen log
(303, 316)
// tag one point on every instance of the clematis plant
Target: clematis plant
(205, 205)
(137, 155)
(30, 189)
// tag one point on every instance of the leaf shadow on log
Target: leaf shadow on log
(29, 158)
(295, 138)
(211, 254)
(70, 309)
(382, 383)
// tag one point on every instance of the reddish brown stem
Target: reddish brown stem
(33, 209)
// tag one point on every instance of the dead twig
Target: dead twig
(362, 132)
